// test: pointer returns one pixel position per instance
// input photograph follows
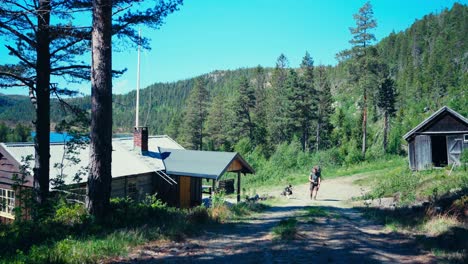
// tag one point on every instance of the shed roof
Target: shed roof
(432, 118)
(203, 164)
(125, 161)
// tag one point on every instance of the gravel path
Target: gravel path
(340, 236)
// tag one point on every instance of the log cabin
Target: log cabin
(141, 165)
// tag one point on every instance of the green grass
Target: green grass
(286, 229)
(86, 250)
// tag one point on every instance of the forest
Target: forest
(398, 82)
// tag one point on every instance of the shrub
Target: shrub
(198, 215)
(70, 214)
(220, 213)
(286, 229)
(464, 158)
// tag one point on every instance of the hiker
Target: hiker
(314, 179)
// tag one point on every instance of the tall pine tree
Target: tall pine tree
(386, 102)
(243, 108)
(195, 115)
(216, 124)
(276, 102)
(308, 97)
(359, 59)
(324, 110)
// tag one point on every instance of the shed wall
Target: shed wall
(446, 123)
(411, 155)
(168, 193)
(454, 148)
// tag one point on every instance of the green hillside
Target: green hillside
(428, 62)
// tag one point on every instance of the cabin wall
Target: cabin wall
(25, 192)
(136, 187)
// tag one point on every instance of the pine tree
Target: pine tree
(216, 124)
(259, 117)
(243, 107)
(173, 129)
(324, 109)
(359, 68)
(308, 97)
(195, 115)
(387, 99)
(277, 125)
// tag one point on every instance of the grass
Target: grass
(86, 250)
(286, 229)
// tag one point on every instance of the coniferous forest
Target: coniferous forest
(398, 81)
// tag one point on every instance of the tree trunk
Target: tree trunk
(42, 139)
(99, 181)
(385, 135)
(317, 137)
(364, 125)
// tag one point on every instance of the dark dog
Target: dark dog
(287, 191)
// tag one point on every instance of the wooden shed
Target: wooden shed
(438, 141)
(188, 167)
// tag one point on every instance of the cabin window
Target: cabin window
(465, 138)
(132, 190)
(7, 202)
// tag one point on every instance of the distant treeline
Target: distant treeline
(19, 133)
(425, 66)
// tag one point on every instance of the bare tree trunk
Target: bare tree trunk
(385, 135)
(42, 139)
(99, 181)
(364, 125)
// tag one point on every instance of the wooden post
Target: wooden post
(213, 188)
(238, 186)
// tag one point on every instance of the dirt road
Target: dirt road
(341, 235)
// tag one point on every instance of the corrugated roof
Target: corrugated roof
(434, 116)
(125, 161)
(203, 164)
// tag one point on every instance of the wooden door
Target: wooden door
(184, 190)
(423, 152)
(454, 149)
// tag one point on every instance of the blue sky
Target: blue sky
(208, 35)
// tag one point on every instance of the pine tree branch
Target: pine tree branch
(18, 34)
(25, 81)
(71, 67)
(19, 56)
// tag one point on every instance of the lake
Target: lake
(56, 137)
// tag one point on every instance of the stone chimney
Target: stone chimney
(140, 139)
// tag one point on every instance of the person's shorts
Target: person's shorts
(313, 186)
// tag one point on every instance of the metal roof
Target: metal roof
(125, 161)
(433, 117)
(203, 164)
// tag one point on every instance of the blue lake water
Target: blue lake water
(56, 137)
(64, 137)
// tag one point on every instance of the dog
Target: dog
(287, 191)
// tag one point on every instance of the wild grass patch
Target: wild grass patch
(286, 229)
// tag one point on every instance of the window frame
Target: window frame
(465, 138)
(8, 202)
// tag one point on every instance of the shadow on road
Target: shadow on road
(340, 235)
